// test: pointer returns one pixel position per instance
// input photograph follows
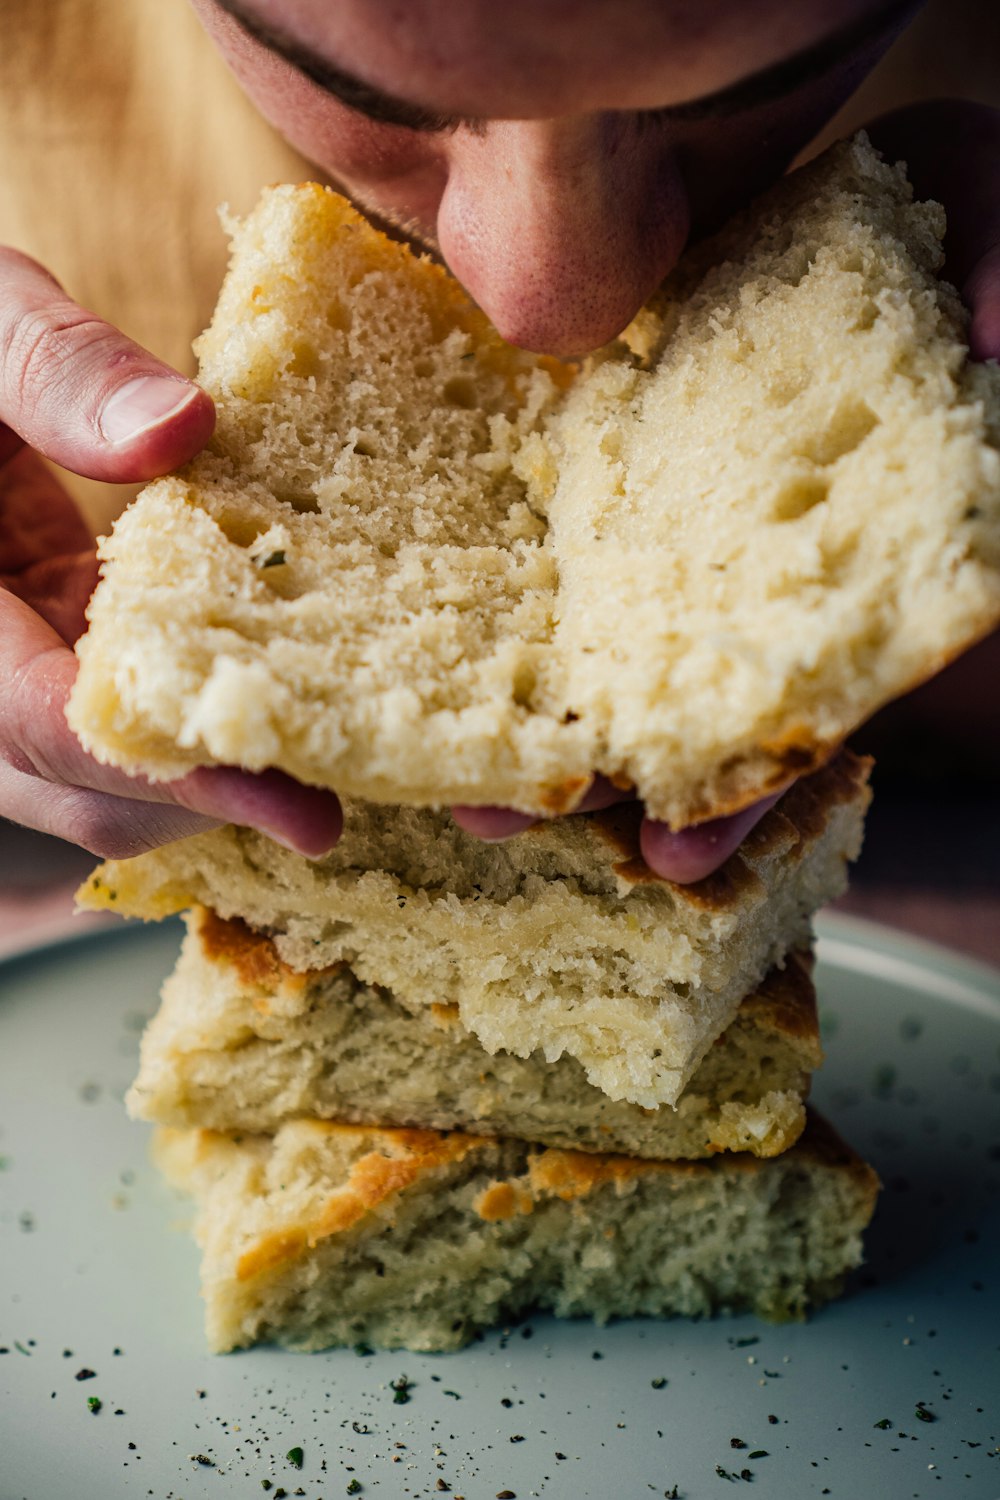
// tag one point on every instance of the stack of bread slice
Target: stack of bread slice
(426, 1082)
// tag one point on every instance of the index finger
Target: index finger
(48, 780)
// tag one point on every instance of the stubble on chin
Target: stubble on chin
(398, 227)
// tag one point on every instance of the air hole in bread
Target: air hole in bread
(333, 930)
(789, 384)
(852, 422)
(304, 501)
(799, 497)
(866, 317)
(524, 684)
(305, 361)
(239, 529)
(337, 316)
(460, 392)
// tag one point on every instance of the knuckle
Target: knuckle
(35, 728)
(15, 758)
(42, 349)
(99, 824)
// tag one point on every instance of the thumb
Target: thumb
(81, 393)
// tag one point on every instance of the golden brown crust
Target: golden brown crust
(406, 1157)
(502, 1201)
(399, 1159)
(774, 766)
(564, 796)
(800, 817)
(841, 781)
(573, 1174)
(231, 942)
(798, 750)
(253, 956)
(785, 1003)
(498, 1201)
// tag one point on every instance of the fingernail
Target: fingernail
(139, 405)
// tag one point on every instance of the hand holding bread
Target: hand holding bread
(75, 390)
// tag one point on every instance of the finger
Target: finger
(42, 762)
(108, 826)
(492, 823)
(46, 551)
(692, 853)
(58, 589)
(39, 518)
(496, 823)
(306, 819)
(982, 292)
(119, 827)
(82, 393)
(603, 793)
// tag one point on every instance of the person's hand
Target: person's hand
(76, 390)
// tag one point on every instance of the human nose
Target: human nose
(561, 229)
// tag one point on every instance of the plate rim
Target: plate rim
(857, 944)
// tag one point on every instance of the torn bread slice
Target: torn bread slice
(559, 941)
(242, 1043)
(421, 567)
(333, 1234)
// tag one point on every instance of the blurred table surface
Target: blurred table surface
(930, 866)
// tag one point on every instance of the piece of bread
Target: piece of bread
(242, 1043)
(334, 1234)
(559, 941)
(411, 567)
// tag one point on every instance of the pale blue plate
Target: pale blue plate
(95, 1275)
